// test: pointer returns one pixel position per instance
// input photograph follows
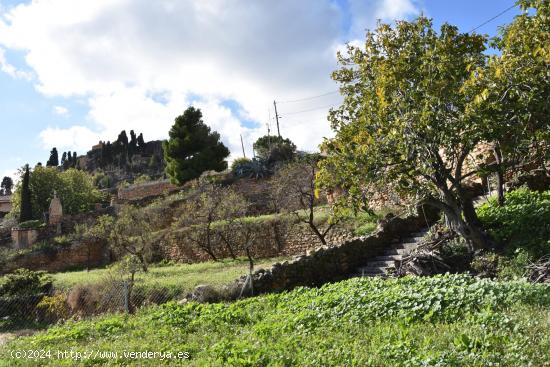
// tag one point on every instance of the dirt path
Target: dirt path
(5, 337)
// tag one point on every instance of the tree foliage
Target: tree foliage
(25, 210)
(511, 92)
(129, 234)
(403, 125)
(53, 161)
(272, 149)
(193, 148)
(74, 188)
(6, 186)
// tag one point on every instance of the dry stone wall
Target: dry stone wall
(77, 255)
(334, 263)
(146, 190)
(272, 238)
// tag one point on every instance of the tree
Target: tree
(129, 234)
(274, 149)
(53, 161)
(63, 159)
(132, 147)
(403, 125)
(74, 161)
(26, 199)
(511, 94)
(6, 186)
(75, 189)
(297, 181)
(211, 217)
(140, 142)
(192, 148)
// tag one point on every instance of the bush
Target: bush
(21, 291)
(255, 168)
(523, 222)
(237, 163)
(53, 308)
(30, 224)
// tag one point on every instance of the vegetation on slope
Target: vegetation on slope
(451, 320)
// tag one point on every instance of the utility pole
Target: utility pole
(277, 118)
(242, 145)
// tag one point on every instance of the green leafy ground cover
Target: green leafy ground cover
(451, 320)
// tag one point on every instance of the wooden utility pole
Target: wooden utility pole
(242, 145)
(277, 118)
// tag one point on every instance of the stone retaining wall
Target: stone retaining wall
(75, 256)
(146, 190)
(335, 263)
(272, 238)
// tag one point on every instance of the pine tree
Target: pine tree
(192, 148)
(26, 204)
(54, 158)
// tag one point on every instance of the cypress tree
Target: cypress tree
(26, 204)
(54, 158)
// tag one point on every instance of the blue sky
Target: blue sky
(73, 73)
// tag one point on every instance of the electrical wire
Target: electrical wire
(493, 18)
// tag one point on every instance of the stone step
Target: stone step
(396, 251)
(408, 245)
(381, 263)
(392, 257)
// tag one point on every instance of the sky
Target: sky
(73, 72)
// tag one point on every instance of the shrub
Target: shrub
(239, 162)
(523, 222)
(30, 224)
(21, 291)
(256, 168)
(53, 308)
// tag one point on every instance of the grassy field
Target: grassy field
(436, 321)
(181, 277)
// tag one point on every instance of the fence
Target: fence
(28, 299)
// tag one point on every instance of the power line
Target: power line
(308, 110)
(308, 98)
(493, 18)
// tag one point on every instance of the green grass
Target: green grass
(451, 320)
(178, 278)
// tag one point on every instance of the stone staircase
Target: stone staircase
(378, 266)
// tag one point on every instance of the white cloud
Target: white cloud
(75, 138)
(119, 53)
(60, 110)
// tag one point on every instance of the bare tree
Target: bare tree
(210, 217)
(301, 197)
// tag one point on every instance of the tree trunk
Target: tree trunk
(500, 175)
(317, 233)
(469, 227)
(143, 262)
(463, 220)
